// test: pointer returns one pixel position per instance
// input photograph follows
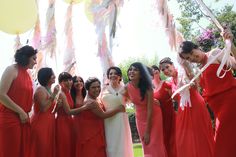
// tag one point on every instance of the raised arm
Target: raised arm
(67, 108)
(41, 97)
(227, 34)
(8, 77)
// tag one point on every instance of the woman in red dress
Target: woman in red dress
(148, 113)
(194, 133)
(16, 97)
(43, 120)
(64, 122)
(220, 93)
(162, 93)
(92, 135)
(78, 93)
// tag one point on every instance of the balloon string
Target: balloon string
(17, 42)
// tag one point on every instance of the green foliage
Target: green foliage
(126, 63)
(138, 152)
(191, 14)
(228, 16)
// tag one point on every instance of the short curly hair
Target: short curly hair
(23, 55)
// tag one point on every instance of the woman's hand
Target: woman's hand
(23, 117)
(146, 138)
(227, 34)
(89, 104)
(55, 90)
(156, 102)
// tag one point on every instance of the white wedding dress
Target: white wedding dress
(117, 128)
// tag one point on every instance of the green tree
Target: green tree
(126, 63)
(190, 15)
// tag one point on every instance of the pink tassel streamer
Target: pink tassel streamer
(105, 14)
(168, 23)
(69, 55)
(50, 40)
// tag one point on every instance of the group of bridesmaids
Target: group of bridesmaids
(84, 119)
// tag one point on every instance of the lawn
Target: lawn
(137, 150)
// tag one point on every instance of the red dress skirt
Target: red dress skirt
(91, 136)
(220, 93)
(168, 118)
(42, 133)
(156, 147)
(14, 136)
(64, 131)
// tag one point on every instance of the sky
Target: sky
(139, 33)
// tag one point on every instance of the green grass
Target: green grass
(138, 150)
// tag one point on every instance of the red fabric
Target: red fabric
(77, 126)
(169, 119)
(42, 133)
(156, 146)
(220, 95)
(91, 136)
(194, 133)
(64, 131)
(14, 136)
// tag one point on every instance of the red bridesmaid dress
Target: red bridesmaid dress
(77, 127)
(64, 130)
(91, 135)
(194, 133)
(42, 132)
(220, 93)
(14, 136)
(168, 118)
(156, 147)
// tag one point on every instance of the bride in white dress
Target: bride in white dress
(117, 128)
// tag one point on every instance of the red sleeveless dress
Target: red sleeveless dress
(220, 93)
(14, 136)
(42, 132)
(64, 130)
(156, 147)
(77, 127)
(91, 135)
(194, 132)
(168, 118)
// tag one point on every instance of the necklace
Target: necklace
(113, 91)
(48, 90)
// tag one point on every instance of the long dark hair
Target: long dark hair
(73, 90)
(145, 82)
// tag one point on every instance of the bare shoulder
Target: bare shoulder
(40, 89)
(123, 90)
(10, 72)
(214, 52)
